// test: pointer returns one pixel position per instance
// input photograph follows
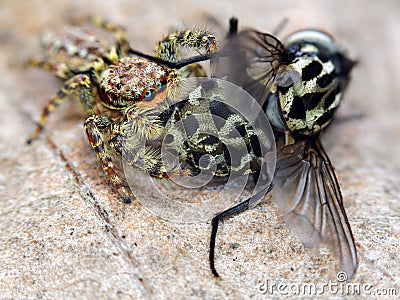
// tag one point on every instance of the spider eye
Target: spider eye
(119, 86)
(138, 97)
(159, 85)
(149, 95)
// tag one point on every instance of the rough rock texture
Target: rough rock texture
(65, 234)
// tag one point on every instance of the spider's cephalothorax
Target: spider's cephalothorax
(300, 84)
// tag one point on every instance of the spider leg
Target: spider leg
(95, 126)
(198, 40)
(119, 32)
(233, 27)
(61, 70)
(79, 87)
(127, 140)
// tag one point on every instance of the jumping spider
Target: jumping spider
(121, 94)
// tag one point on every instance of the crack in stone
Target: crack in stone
(143, 283)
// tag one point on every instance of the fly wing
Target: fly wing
(308, 195)
(257, 61)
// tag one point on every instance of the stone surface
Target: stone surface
(64, 232)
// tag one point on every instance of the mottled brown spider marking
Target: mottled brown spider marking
(135, 79)
(71, 49)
